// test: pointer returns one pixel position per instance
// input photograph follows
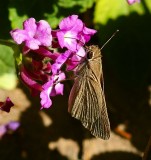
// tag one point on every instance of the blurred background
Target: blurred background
(53, 134)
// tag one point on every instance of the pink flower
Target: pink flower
(75, 59)
(6, 106)
(132, 1)
(51, 88)
(34, 34)
(73, 34)
(62, 58)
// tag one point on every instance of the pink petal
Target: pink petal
(81, 52)
(43, 33)
(61, 76)
(71, 23)
(59, 89)
(60, 36)
(60, 61)
(45, 95)
(30, 27)
(19, 35)
(68, 22)
(87, 33)
(68, 39)
(132, 1)
(45, 100)
(32, 44)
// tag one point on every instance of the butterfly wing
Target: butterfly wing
(87, 104)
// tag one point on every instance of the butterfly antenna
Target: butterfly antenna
(109, 39)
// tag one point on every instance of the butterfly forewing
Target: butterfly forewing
(86, 100)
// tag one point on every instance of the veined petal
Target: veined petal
(43, 33)
(19, 35)
(68, 39)
(68, 22)
(30, 26)
(78, 26)
(71, 23)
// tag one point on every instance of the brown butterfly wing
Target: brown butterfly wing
(87, 103)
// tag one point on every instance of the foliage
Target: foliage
(7, 68)
(51, 11)
(111, 10)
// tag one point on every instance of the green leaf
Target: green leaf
(7, 68)
(16, 20)
(82, 5)
(6, 60)
(16, 48)
(106, 10)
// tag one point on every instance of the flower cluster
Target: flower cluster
(132, 1)
(46, 51)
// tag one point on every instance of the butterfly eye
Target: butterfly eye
(89, 55)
